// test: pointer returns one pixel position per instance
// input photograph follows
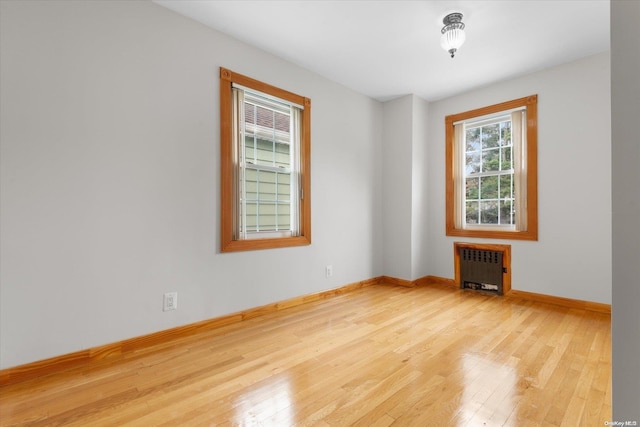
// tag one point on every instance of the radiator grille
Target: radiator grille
(481, 270)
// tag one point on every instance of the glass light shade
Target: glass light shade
(452, 39)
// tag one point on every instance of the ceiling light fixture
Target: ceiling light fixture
(452, 33)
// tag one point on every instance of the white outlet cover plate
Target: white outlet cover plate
(170, 301)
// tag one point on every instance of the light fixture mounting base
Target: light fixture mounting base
(452, 18)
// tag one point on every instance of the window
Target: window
(265, 152)
(491, 182)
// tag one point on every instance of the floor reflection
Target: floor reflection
(488, 392)
(269, 402)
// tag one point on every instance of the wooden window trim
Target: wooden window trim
(530, 102)
(227, 243)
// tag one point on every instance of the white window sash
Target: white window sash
(459, 176)
(518, 141)
(296, 194)
(240, 168)
(238, 172)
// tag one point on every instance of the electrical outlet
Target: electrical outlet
(170, 301)
(328, 270)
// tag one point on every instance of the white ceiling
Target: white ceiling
(386, 49)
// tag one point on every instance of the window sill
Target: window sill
(493, 234)
(268, 243)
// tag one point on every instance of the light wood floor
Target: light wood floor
(378, 356)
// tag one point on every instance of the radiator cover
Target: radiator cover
(481, 270)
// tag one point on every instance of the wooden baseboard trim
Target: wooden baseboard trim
(561, 301)
(513, 294)
(396, 282)
(422, 281)
(436, 280)
(67, 361)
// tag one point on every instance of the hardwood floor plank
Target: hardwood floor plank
(377, 356)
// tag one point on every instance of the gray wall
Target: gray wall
(110, 178)
(396, 187)
(404, 188)
(572, 257)
(420, 190)
(625, 112)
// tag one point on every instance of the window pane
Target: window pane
(472, 212)
(489, 212)
(284, 216)
(264, 117)
(506, 214)
(490, 136)
(282, 157)
(282, 122)
(506, 188)
(506, 158)
(489, 187)
(284, 187)
(251, 215)
(251, 184)
(472, 188)
(505, 133)
(267, 137)
(265, 153)
(472, 162)
(267, 185)
(491, 160)
(249, 113)
(472, 139)
(266, 217)
(249, 148)
(268, 198)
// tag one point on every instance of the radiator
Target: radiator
(481, 270)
